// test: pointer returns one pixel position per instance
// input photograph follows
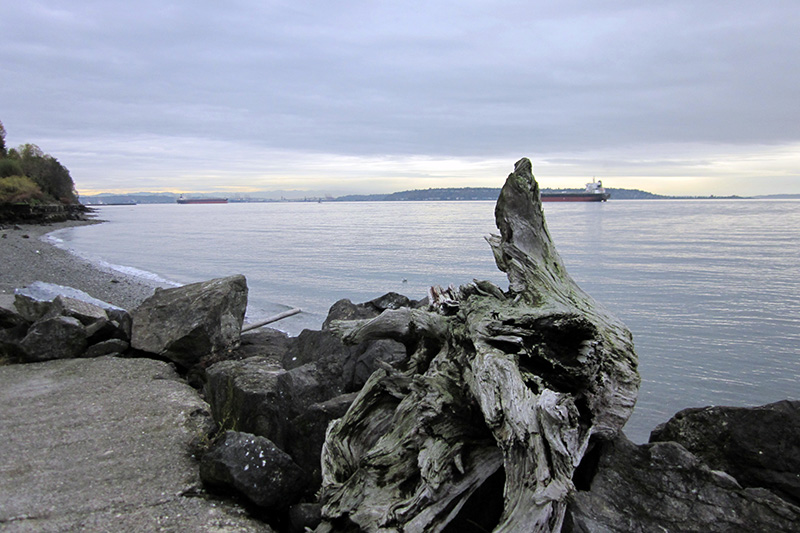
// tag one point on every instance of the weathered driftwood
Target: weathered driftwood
(498, 400)
(270, 320)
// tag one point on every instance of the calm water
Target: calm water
(710, 289)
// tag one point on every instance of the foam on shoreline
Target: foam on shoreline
(145, 276)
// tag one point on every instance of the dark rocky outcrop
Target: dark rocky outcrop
(663, 487)
(759, 446)
(186, 324)
(254, 467)
(42, 214)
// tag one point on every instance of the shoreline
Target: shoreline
(26, 256)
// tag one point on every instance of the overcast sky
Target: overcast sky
(698, 97)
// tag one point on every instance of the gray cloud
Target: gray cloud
(443, 80)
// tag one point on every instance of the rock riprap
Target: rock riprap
(498, 399)
(188, 323)
(55, 322)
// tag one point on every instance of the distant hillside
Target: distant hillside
(634, 194)
(478, 193)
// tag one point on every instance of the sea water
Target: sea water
(709, 288)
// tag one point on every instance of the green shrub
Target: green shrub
(18, 189)
(10, 167)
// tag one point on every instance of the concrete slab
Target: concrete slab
(104, 445)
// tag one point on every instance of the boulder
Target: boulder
(59, 337)
(759, 446)
(187, 323)
(109, 347)
(664, 487)
(264, 342)
(269, 344)
(257, 396)
(254, 467)
(496, 402)
(323, 348)
(292, 406)
(88, 314)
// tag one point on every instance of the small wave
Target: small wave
(134, 272)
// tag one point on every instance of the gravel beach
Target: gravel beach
(26, 257)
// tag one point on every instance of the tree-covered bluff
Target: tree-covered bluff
(30, 176)
(480, 193)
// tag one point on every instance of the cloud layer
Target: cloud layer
(372, 96)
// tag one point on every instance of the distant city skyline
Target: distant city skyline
(674, 98)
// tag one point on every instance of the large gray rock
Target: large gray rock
(254, 467)
(60, 337)
(257, 396)
(759, 446)
(187, 323)
(87, 313)
(497, 400)
(109, 347)
(664, 487)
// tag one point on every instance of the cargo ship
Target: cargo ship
(183, 200)
(594, 193)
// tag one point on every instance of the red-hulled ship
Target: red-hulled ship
(183, 200)
(594, 193)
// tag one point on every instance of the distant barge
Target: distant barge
(183, 200)
(594, 193)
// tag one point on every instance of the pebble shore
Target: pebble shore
(26, 256)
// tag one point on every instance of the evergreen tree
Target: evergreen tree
(2, 140)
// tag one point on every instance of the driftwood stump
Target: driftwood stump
(484, 426)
